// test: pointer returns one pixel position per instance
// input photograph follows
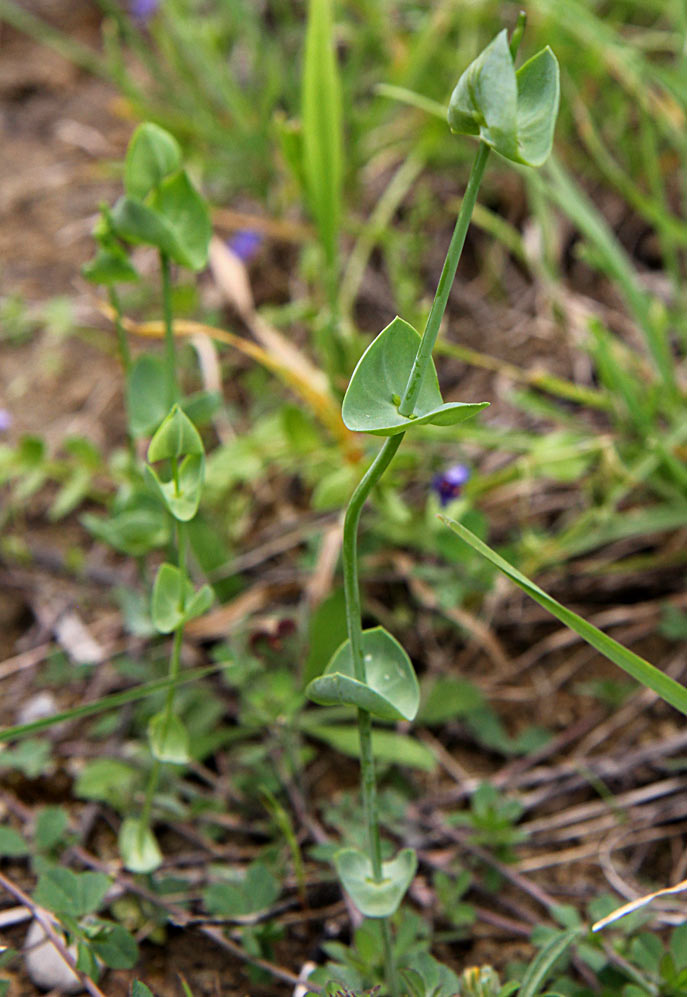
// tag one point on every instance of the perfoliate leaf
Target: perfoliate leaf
(371, 898)
(138, 847)
(186, 212)
(538, 99)
(375, 390)
(199, 603)
(175, 220)
(171, 592)
(485, 99)
(176, 437)
(110, 266)
(181, 497)
(151, 156)
(168, 739)
(514, 113)
(391, 689)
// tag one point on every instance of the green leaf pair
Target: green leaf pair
(168, 739)
(174, 600)
(375, 899)
(161, 206)
(111, 264)
(390, 690)
(379, 381)
(177, 440)
(513, 112)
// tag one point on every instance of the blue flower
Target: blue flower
(5, 420)
(143, 10)
(449, 484)
(245, 244)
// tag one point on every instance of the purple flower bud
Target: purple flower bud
(245, 244)
(143, 10)
(5, 420)
(449, 484)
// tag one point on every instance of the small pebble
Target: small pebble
(44, 964)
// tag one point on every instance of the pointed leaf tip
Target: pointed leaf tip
(379, 381)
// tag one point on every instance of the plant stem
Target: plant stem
(175, 659)
(355, 635)
(124, 356)
(350, 548)
(170, 353)
(429, 336)
(352, 521)
(122, 340)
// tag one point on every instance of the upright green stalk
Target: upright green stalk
(484, 103)
(448, 273)
(170, 353)
(352, 521)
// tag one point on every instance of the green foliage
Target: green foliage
(161, 207)
(174, 600)
(138, 846)
(375, 898)
(254, 891)
(390, 690)
(513, 112)
(322, 125)
(664, 686)
(378, 382)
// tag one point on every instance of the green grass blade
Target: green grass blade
(541, 965)
(567, 195)
(664, 686)
(105, 703)
(322, 116)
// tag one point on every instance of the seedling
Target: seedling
(160, 208)
(394, 388)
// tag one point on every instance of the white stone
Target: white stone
(45, 965)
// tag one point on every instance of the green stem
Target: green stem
(122, 339)
(355, 635)
(174, 669)
(170, 353)
(124, 356)
(175, 659)
(389, 961)
(350, 549)
(429, 336)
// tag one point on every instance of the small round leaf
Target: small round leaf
(391, 689)
(371, 402)
(151, 156)
(375, 899)
(138, 846)
(168, 739)
(176, 437)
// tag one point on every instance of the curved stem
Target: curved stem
(429, 336)
(350, 548)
